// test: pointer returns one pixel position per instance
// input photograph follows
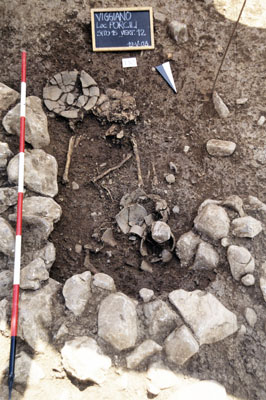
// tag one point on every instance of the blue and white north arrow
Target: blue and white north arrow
(166, 72)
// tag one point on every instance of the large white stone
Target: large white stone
(103, 281)
(77, 292)
(220, 148)
(144, 350)
(186, 247)
(206, 316)
(33, 275)
(40, 172)
(246, 227)
(7, 238)
(240, 260)
(203, 390)
(8, 97)
(117, 321)
(82, 358)
(36, 126)
(36, 312)
(213, 221)
(160, 232)
(206, 257)
(180, 345)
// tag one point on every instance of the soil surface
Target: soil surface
(58, 38)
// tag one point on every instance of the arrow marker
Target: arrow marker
(166, 72)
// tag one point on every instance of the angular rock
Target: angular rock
(47, 254)
(160, 232)
(117, 321)
(166, 256)
(240, 260)
(246, 227)
(40, 172)
(206, 257)
(160, 319)
(236, 203)
(7, 238)
(251, 316)
(82, 358)
(145, 266)
(256, 204)
(161, 376)
(180, 345)
(219, 105)
(220, 148)
(213, 221)
(33, 275)
(248, 280)
(146, 294)
(28, 370)
(178, 31)
(8, 197)
(5, 154)
(186, 247)
(103, 281)
(6, 281)
(143, 351)
(263, 280)
(37, 310)
(203, 390)
(77, 292)
(209, 320)
(108, 238)
(8, 97)
(36, 130)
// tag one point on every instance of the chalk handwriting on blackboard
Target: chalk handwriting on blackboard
(122, 29)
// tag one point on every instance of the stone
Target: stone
(170, 178)
(6, 281)
(263, 280)
(202, 390)
(75, 186)
(7, 238)
(159, 17)
(206, 257)
(246, 227)
(70, 114)
(186, 248)
(103, 281)
(146, 294)
(144, 350)
(28, 370)
(220, 148)
(241, 101)
(219, 105)
(251, 316)
(160, 232)
(248, 280)
(145, 266)
(33, 275)
(82, 358)
(40, 172)
(36, 126)
(173, 167)
(47, 253)
(78, 248)
(213, 221)
(108, 238)
(4, 325)
(77, 292)
(207, 202)
(117, 321)
(261, 120)
(160, 319)
(176, 210)
(43, 207)
(8, 97)
(36, 312)
(152, 389)
(236, 203)
(166, 256)
(8, 197)
(240, 260)
(256, 204)
(178, 31)
(225, 242)
(86, 80)
(209, 320)
(180, 345)
(161, 376)
(5, 154)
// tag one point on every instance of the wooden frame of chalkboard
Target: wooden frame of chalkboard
(122, 29)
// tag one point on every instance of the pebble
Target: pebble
(248, 280)
(219, 105)
(220, 148)
(250, 316)
(176, 210)
(78, 248)
(166, 256)
(75, 186)
(146, 294)
(160, 232)
(186, 149)
(170, 178)
(261, 120)
(173, 167)
(241, 101)
(145, 266)
(178, 31)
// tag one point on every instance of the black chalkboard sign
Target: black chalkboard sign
(122, 29)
